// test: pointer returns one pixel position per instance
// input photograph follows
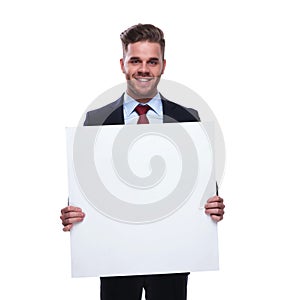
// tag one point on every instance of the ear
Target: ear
(122, 65)
(164, 66)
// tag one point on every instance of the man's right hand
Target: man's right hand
(71, 215)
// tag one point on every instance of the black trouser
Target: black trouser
(157, 287)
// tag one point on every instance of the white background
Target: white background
(242, 57)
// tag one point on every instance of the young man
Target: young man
(143, 63)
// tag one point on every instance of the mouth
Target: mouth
(143, 79)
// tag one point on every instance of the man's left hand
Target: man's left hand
(215, 208)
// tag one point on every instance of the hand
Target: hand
(71, 215)
(215, 208)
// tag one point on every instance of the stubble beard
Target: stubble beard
(138, 93)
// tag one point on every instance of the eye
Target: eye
(135, 61)
(153, 62)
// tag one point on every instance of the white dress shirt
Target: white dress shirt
(154, 115)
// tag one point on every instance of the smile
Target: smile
(144, 79)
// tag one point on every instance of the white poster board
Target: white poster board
(143, 190)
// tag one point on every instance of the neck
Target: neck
(139, 99)
(145, 100)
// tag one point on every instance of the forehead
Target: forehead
(144, 49)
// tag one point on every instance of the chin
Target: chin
(145, 93)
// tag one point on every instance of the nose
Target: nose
(143, 69)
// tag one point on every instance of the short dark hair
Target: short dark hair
(143, 32)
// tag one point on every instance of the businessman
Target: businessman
(143, 63)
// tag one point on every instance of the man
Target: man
(143, 63)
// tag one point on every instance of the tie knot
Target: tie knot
(142, 109)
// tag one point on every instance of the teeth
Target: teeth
(143, 79)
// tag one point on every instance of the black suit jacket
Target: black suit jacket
(112, 114)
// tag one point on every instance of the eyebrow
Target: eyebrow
(151, 58)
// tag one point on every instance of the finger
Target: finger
(216, 218)
(67, 227)
(215, 205)
(72, 220)
(215, 211)
(72, 214)
(215, 199)
(70, 208)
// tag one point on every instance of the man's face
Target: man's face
(143, 65)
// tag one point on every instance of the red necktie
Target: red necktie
(142, 110)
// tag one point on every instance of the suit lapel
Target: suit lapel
(116, 117)
(169, 111)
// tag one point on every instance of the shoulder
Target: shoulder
(102, 115)
(175, 112)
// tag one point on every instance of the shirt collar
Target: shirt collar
(130, 104)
